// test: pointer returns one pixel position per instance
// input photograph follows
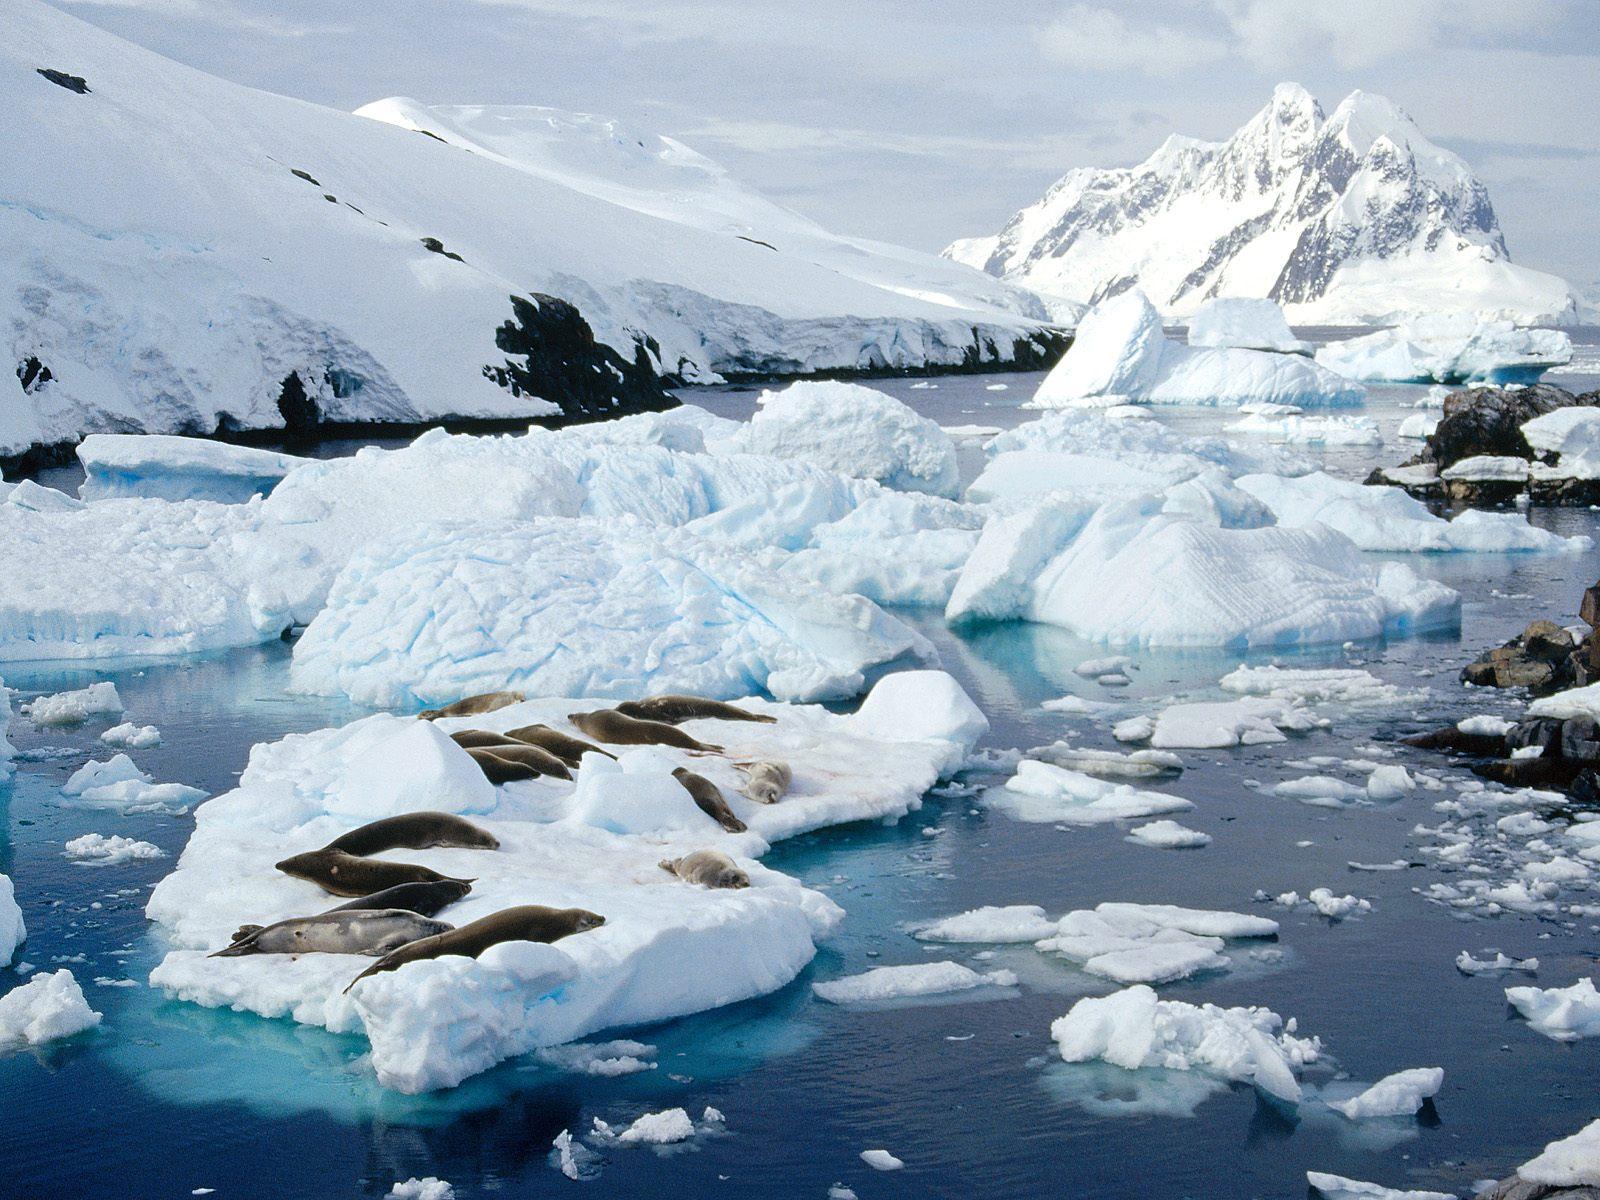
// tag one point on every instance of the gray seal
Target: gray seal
(506, 764)
(766, 782)
(608, 725)
(478, 739)
(525, 923)
(424, 899)
(709, 868)
(356, 931)
(671, 710)
(415, 831)
(346, 874)
(473, 706)
(564, 746)
(708, 797)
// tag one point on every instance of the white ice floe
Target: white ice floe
(1168, 835)
(606, 1059)
(12, 929)
(881, 1160)
(1337, 1187)
(1317, 685)
(1120, 354)
(1243, 323)
(129, 736)
(667, 949)
(1248, 721)
(1568, 1162)
(1320, 791)
(1468, 965)
(1135, 1029)
(1565, 1014)
(658, 1129)
(1094, 668)
(1418, 426)
(1386, 518)
(98, 848)
(1008, 923)
(1397, 1095)
(1449, 348)
(163, 467)
(429, 1187)
(1294, 429)
(1325, 902)
(120, 784)
(909, 982)
(1042, 793)
(47, 1007)
(1109, 764)
(1150, 943)
(73, 708)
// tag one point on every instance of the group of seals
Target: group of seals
(344, 868)
(616, 727)
(524, 923)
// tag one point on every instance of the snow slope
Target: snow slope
(1352, 218)
(185, 254)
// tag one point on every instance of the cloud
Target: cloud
(1089, 38)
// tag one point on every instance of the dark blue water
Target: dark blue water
(166, 1097)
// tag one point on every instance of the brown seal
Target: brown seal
(765, 782)
(477, 739)
(351, 875)
(564, 746)
(709, 799)
(671, 710)
(709, 868)
(415, 831)
(608, 725)
(424, 899)
(473, 706)
(526, 923)
(508, 764)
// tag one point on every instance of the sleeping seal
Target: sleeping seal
(608, 725)
(473, 706)
(415, 831)
(361, 931)
(710, 868)
(567, 748)
(709, 799)
(503, 764)
(525, 923)
(476, 739)
(351, 875)
(424, 899)
(671, 710)
(766, 782)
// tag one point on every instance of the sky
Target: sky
(920, 121)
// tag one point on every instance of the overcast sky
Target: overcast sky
(919, 121)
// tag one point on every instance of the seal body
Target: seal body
(424, 899)
(346, 874)
(608, 725)
(477, 739)
(530, 761)
(567, 748)
(525, 923)
(708, 797)
(357, 931)
(766, 782)
(670, 710)
(415, 831)
(473, 706)
(709, 868)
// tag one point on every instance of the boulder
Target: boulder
(1579, 739)
(1543, 732)
(1540, 658)
(1453, 741)
(1585, 789)
(1488, 421)
(1517, 1188)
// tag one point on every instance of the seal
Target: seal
(564, 746)
(473, 706)
(671, 710)
(503, 764)
(424, 899)
(415, 831)
(351, 875)
(525, 923)
(765, 782)
(608, 725)
(709, 868)
(477, 739)
(709, 799)
(358, 931)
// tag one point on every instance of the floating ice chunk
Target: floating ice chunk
(600, 1058)
(572, 1158)
(1108, 764)
(98, 848)
(1134, 1029)
(1251, 721)
(1418, 426)
(1320, 791)
(1568, 1162)
(1317, 685)
(162, 467)
(1202, 922)
(838, 1191)
(1565, 1014)
(12, 929)
(399, 765)
(1335, 908)
(430, 1187)
(856, 431)
(1468, 965)
(1134, 729)
(1486, 724)
(913, 980)
(1168, 835)
(73, 708)
(658, 1129)
(881, 1160)
(1297, 429)
(47, 1007)
(93, 776)
(1009, 923)
(1244, 324)
(1150, 943)
(1094, 668)
(1389, 783)
(1397, 1095)
(1449, 348)
(129, 736)
(1045, 794)
(1337, 1187)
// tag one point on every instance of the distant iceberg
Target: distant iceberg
(1449, 348)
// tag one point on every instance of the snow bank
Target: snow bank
(177, 468)
(908, 982)
(73, 708)
(12, 929)
(667, 948)
(47, 1007)
(1568, 1162)
(1449, 348)
(1244, 324)
(1119, 355)
(1046, 794)
(1397, 1095)
(1565, 1014)
(1134, 1029)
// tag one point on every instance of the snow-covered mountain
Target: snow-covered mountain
(1346, 219)
(184, 254)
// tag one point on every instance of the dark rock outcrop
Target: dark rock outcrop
(1543, 658)
(1515, 1187)
(73, 83)
(33, 374)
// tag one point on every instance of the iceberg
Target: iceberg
(1120, 355)
(1242, 323)
(12, 929)
(1449, 348)
(49, 1006)
(165, 467)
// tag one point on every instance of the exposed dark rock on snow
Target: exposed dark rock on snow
(33, 374)
(73, 83)
(300, 412)
(1543, 658)
(434, 244)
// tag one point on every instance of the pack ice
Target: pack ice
(667, 948)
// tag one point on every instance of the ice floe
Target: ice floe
(1469, 965)
(909, 982)
(177, 468)
(606, 1059)
(1449, 348)
(1397, 1095)
(12, 929)
(1323, 901)
(119, 783)
(881, 1160)
(98, 848)
(1296, 429)
(1565, 1014)
(1042, 793)
(1317, 685)
(429, 1187)
(1168, 835)
(129, 736)
(49, 1006)
(992, 923)
(1337, 1187)
(74, 708)
(1203, 725)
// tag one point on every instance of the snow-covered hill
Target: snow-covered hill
(186, 255)
(1347, 219)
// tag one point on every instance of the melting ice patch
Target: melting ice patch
(909, 982)
(1337, 1187)
(1046, 794)
(76, 707)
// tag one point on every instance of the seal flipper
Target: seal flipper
(244, 942)
(245, 931)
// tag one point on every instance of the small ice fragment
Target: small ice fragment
(1337, 1187)
(48, 1006)
(658, 1129)
(1397, 1095)
(429, 1187)
(1468, 965)
(881, 1160)
(1169, 835)
(916, 979)
(98, 848)
(129, 736)
(73, 708)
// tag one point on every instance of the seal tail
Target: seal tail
(372, 970)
